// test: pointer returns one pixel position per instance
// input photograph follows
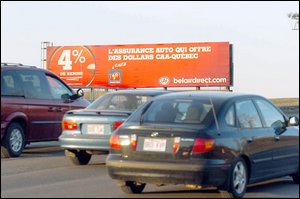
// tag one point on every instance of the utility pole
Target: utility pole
(294, 16)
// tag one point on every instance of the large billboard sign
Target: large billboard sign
(143, 65)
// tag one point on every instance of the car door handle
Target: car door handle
(249, 140)
(51, 109)
(59, 109)
(277, 138)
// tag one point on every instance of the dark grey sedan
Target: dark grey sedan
(200, 139)
(87, 131)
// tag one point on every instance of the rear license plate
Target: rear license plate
(158, 145)
(95, 129)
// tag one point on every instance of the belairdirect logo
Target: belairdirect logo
(164, 81)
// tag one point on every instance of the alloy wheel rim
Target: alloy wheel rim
(239, 177)
(16, 140)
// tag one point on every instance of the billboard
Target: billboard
(143, 65)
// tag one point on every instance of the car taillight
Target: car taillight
(176, 144)
(133, 141)
(202, 145)
(114, 142)
(117, 124)
(69, 125)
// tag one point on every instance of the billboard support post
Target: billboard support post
(44, 46)
(92, 94)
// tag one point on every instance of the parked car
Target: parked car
(87, 131)
(199, 139)
(33, 102)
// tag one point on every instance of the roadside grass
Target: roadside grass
(285, 101)
(277, 101)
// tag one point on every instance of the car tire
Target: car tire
(296, 177)
(80, 158)
(13, 142)
(238, 180)
(131, 187)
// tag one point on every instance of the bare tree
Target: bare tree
(294, 16)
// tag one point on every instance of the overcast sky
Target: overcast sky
(266, 49)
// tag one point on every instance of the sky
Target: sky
(265, 48)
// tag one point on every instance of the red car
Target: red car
(33, 102)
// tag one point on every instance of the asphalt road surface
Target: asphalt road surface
(43, 171)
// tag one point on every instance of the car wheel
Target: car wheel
(14, 141)
(238, 179)
(131, 187)
(80, 158)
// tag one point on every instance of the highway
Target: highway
(43, 171)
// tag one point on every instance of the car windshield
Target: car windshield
(181, 111)
(121, 102)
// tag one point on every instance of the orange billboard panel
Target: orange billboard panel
(143, 65)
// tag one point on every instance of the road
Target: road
(43, 171)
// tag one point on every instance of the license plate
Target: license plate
(95, 129)
(155, 145)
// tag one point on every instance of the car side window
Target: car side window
(10, 85)
(34, 84)
(230, 116)
(57, 88)
(247, 115)
(270, 114)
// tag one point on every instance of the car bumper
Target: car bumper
(188, 173)
(84, 143)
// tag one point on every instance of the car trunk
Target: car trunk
(157, 142)
(97, 123)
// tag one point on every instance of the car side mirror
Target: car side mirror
(79, 93)
(293, 121)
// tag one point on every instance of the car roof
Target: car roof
(141, 91)
(21, 67)
(14, 66)
(216, 95)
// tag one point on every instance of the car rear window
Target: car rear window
(181, 111)
(121, 102)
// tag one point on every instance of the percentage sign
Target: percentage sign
(78, 56)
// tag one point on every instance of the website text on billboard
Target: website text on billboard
(143, 65)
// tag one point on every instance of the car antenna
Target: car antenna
(143, 112)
